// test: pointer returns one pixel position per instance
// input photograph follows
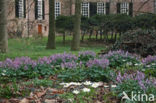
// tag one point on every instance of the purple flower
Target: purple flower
(149, 60)
(57, 59)
(119, 52)
(87, 53)
(138, 77)
(100, 63)
(69, 65)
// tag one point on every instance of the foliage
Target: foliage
(66, 23)
(145, 21)
(138, 41)
(136, 82)
(86, 56)
(149, 64)
(120, 58)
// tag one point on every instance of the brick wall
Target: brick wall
(20, 25)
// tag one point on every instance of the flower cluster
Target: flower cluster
(17, 63)
(87, 53)
(139, 77)
(118, 52)
(120, 58)
(57, 59)
(149, 59)
(100, 63)
(149, 62)
(69, 65)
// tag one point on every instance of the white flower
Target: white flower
(106, 86)
(129, 63)
(153, 64)
(76, 92)
(136, 64)
(74, 83)
(62, 83)
(113, 86)
(148, 66)
(95, 85)
(3, 74)
(87, 83)
(124, 60)
(86, 90)
(66, 85)
(4, 71)
(71, 99)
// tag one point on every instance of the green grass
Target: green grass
(35, 47)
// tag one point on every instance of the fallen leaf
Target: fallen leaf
(24, 101)
(50, 101)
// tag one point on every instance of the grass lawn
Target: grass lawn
(35, 47)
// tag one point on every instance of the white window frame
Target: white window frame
(85, 9)
(155, 6)
(21, 8)
(39, 10)
(57, 9)
(101, 8)
(124, 8)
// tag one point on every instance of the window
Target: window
(85, 9)
(57, 9)
(155, 6)
(40, 9)
(20, 8)
(124, 8)
(101, 8)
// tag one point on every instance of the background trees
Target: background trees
(51, 36)
(77, 23)
(3, 26)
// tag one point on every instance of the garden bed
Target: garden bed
(82, 78)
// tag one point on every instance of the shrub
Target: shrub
(138, 41)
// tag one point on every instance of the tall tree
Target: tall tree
(77, 22)
(51, 36)
(3, 27)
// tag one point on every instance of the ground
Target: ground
(35, 47)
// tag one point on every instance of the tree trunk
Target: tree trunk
(77, 22)
(3, 27)
(51, 36)
(64, 38)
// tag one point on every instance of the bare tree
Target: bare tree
(51, 36)
(3, 27)
(77, 22)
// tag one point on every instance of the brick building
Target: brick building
(27, 17)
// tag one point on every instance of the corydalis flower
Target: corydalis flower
(139, 77)
(69, 65)
(102, 63)
(87, 53)
(149, 59)
(57, 59)
(18, 63)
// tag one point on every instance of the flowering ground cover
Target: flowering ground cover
(82, 78)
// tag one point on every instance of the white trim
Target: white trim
(21, 8)
(39, 10)
(57, 9)
(124, 8)
(101, 8)
(85, 9)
